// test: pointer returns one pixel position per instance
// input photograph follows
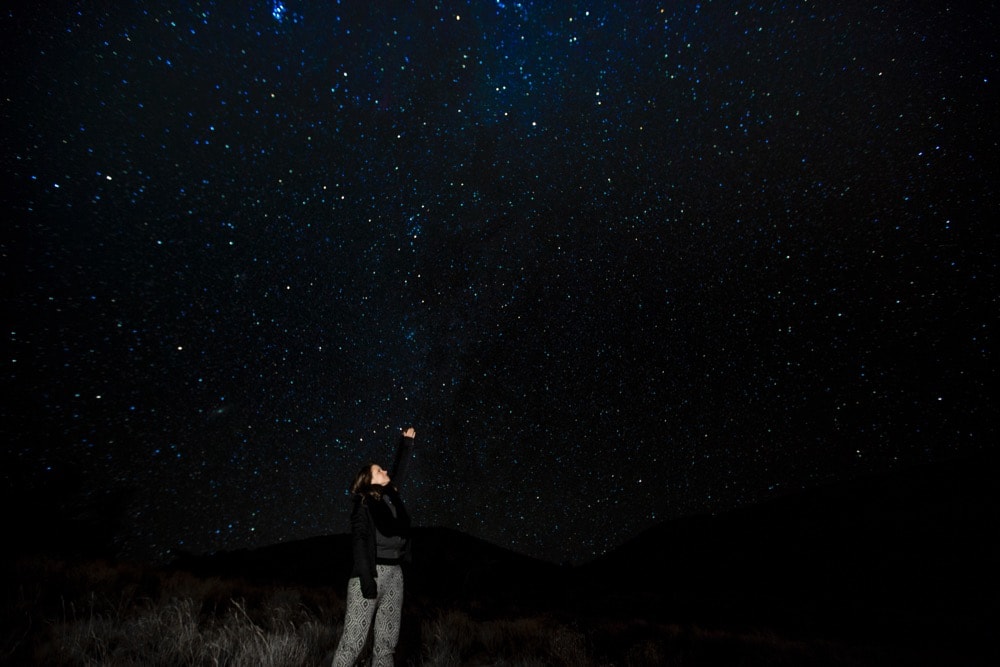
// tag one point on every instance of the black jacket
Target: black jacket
(370, 512)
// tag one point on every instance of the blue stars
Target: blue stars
(280, 13)
(414, 229)
(278, 10)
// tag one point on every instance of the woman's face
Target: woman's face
(379, 476)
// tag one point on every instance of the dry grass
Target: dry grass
(100, 614)
(455, 639)
(177, 633)
(97, 613)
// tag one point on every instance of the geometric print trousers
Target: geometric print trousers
(386, 610)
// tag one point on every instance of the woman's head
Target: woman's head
(370, 475)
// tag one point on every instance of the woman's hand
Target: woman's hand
(410, 433)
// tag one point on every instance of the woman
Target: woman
(380, 529)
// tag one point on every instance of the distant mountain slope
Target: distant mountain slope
(912, 548)
(906, 552)
(447, 564)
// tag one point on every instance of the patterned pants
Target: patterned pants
(387, 611)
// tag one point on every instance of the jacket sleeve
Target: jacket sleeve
(404, 452)
(360, 539)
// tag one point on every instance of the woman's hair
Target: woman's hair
(362, 483)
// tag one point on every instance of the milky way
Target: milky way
(616, 262)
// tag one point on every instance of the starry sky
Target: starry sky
(617, 262)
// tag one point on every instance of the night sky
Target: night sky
(617, 262)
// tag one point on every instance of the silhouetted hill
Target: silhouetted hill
(906, 555)
(447, 566)
(451, 565)
(317, 561)
(906, 552)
